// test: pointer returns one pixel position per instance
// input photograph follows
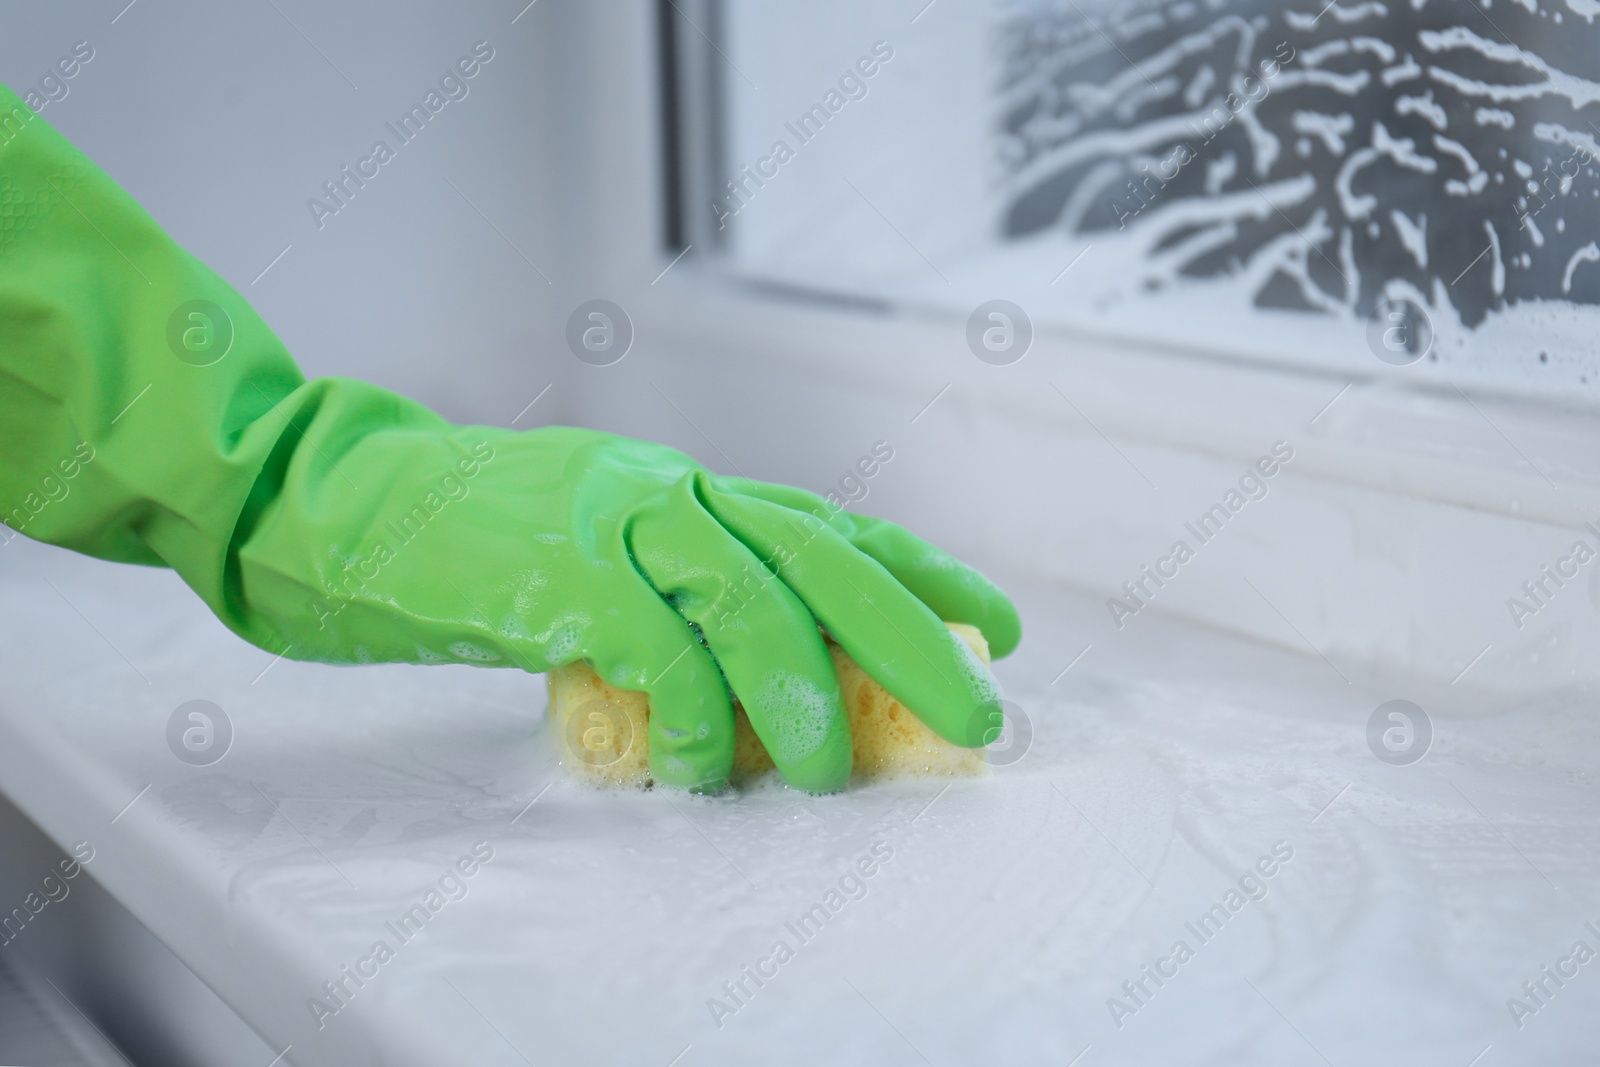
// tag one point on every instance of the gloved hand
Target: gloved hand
(148, 415)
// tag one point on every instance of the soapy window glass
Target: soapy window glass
(1231, 175)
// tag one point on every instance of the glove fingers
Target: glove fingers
(691, 718)
(762, 636)
(789, 496)
(955, 591)
(895, 637)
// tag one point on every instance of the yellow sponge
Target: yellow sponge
(602, 732)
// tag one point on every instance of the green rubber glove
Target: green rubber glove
(148, 415)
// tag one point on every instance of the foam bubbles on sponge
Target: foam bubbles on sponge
(602, 732)
(802, 707)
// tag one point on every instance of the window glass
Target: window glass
(1412, 180)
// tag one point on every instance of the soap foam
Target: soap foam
(468, 651)
(985, 688)
(800, 712)
(560, 646)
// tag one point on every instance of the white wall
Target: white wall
(222, 119)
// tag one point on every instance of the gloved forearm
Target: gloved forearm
(148, 415)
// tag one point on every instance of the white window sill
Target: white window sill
(1164, 765)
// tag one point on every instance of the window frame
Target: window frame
(1475, 426)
